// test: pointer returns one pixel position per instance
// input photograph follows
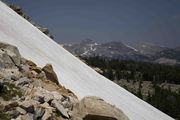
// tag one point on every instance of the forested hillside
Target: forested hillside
(140, 75)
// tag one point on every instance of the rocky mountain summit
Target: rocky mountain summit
(28, 92)
(118, 50)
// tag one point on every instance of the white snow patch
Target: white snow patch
(131, 48)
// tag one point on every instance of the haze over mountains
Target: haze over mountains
(117, 50)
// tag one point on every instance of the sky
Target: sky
(128, 21)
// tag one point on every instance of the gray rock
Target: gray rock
(57, 96)
(24, 68)
(40, 99)
(15, 78)
(48, 97)
(39, 112)
(28, 106)
(13, 113)
(60, 108)
(9, 56)
(21, 111)
(23, 81)
(47, 115)
(66, 104)
(28, 116)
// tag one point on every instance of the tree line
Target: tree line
(133, 70)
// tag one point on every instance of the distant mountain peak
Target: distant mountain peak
(87, 41)
(117, 50)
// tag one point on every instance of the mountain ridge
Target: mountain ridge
(118, 50)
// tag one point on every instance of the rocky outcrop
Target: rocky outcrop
(9, 56)
(19, 11)
(97, 109)
(28, 92)
(50, 74)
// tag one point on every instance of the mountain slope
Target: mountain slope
(72, 73)
(114, 50)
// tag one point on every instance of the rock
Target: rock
(23, 81)
(37, 69)
(21, 111)
(9, 56)
(11, 106)
(41, 76)
(60, 108)
(28, 106)
(57, 96)
(10, 74)
(24, 68)
(48, 111)
(66, 104)
(15, 78)
(31, 74)
(13, 113)
(40, 99)
(50, 74)
(48, 97)
(98, 117)
(39, 112)
(44, 30)
(30, 63)
(47, 115)
(77, 118)
(97, 109)
(6, 61)
(28, 116)
(41, 95)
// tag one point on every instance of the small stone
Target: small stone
(66, 104)
(41, 75)
(48, 97)
(24, 68)
(60, 108)
(27, 105)
(21, 111)
(40, 99)
(47, 115)
(57, 96)
(11, 106)
(37, 69)
(39, 112)
(32, 74)
(28, 116)
(23, 81)
(13, 113)
(15, 78)
(30, 63)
